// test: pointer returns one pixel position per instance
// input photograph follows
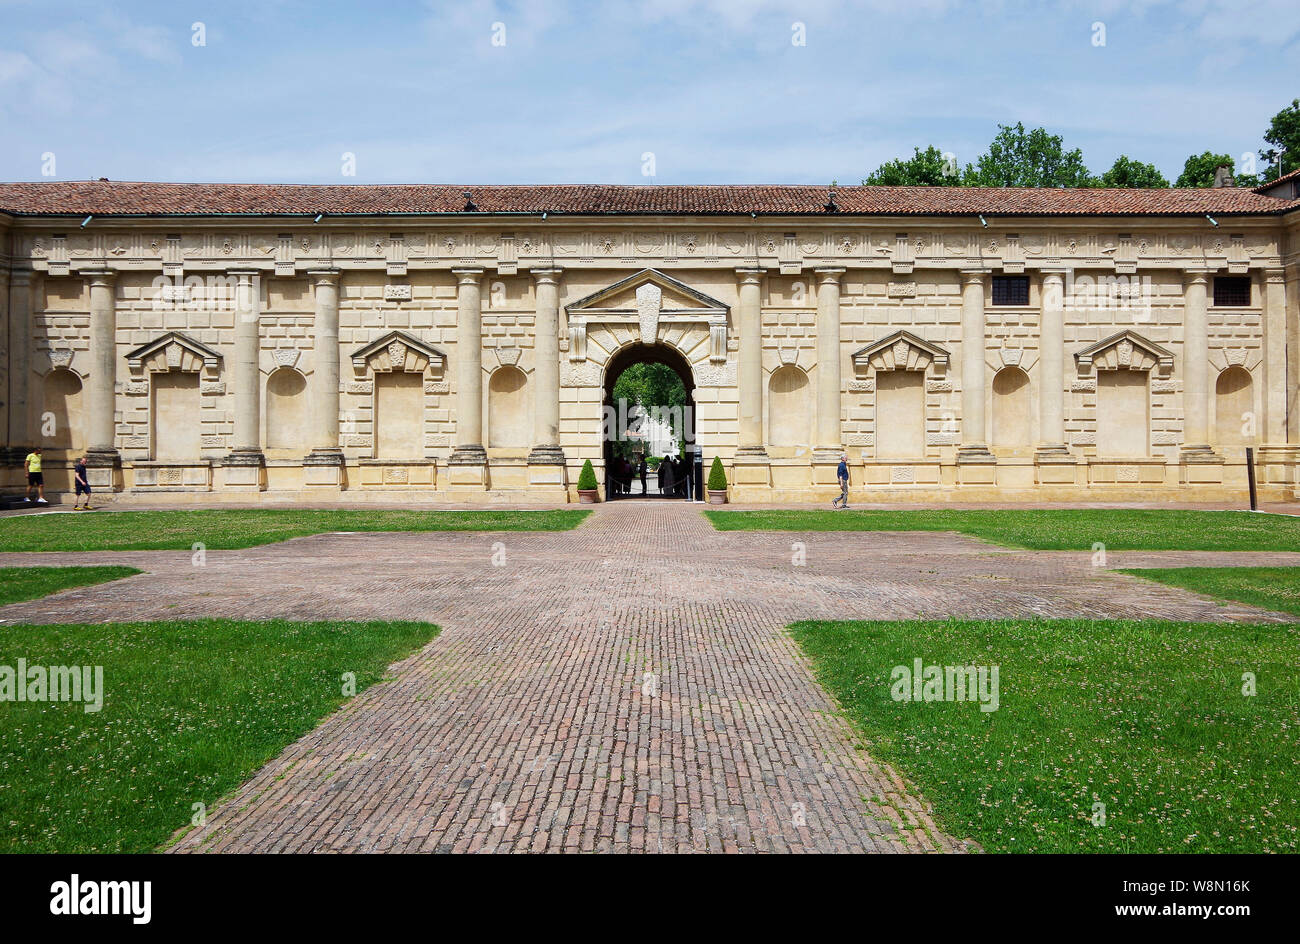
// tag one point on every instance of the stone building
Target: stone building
(204, 342)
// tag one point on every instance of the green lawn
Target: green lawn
(190, 711)
(239, 528)
(31, 583)
(1049, 529)
(1146, 717)
(1273, 588)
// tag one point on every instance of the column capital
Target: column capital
(544, 275)
(20, 277)
(750, 274)
(1275, 275)
(1197, 274)
(467, 275)
(830, 273)
(972, 276)
(324, 276)
(243, 274)
(102, 276)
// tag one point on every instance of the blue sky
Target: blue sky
(716, 90)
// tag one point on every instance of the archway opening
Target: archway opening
(649, 424)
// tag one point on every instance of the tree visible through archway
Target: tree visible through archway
(649, 406)
(654, 385)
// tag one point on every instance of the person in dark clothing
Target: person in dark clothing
(641, 473)
(842, 473)
(81, 483)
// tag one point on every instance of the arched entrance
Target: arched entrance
(633, 435)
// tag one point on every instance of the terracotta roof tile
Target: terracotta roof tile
(118, 198)
(1281, 180)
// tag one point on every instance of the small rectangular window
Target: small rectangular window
(1011, 290)
(1232, 290)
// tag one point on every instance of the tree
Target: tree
(1019, 158)
(1198, 171)
(928, 168)
(652, 385)
(1284, 136)
(1129, 173)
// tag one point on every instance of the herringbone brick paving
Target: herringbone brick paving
(627, 686)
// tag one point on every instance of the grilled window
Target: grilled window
(1011, 290)
(1232, 290)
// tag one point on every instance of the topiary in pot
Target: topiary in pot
(588, 493)
(717, 483)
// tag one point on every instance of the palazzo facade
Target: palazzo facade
(236, 342)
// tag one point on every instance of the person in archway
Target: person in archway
(842, 473)
(667, 480)
(641, 472)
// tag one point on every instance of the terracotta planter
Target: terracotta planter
(717, 496)
(588, 496)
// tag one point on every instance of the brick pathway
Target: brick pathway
(626, 686)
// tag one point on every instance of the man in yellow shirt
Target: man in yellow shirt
(34, 477)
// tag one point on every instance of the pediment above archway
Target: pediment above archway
(1126, 350)
(173, 351)
(648, 300)
(398, 351)
(901, 350)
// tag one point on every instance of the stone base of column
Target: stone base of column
(1054, 464)
(1200, 465)
(825, 467)
(751, 476)
(975, 454)
(323, 469)
(1278, 464)
(546, 455)
(976, 465)
(1199, 453)
(243, 470)
(548, 474)
(14, 455)
(467, 468)
(104, 469)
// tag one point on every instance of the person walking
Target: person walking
(842, 473)
(35, 478)
(82, 484)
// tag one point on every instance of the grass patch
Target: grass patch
(32, 583)
(190, 711)
(1120, 529)
(233, 529)
(1271, 588)
(1146, 717)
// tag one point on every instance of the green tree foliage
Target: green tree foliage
(1020, 158)
(653, 385)
(587, 477)
(1130, 173)
(1283, 136)
(926, 168)
(1198, 171)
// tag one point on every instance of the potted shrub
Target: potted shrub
(588, 493)
(717, 483)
